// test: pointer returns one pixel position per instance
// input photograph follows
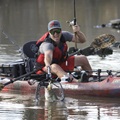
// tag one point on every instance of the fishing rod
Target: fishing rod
(11, 40)
(74, 13)
(73, 22)
(76, 48)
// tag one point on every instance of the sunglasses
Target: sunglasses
(55, 31)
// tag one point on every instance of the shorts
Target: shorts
(68, 65)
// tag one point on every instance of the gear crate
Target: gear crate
(13, 69)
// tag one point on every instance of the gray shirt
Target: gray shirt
(49, 46)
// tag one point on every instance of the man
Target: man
(53, 49)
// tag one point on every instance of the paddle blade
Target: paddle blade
(103, 41)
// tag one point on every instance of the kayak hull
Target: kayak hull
(110, 87)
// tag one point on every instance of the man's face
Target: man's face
(55, 34)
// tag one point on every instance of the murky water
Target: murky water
(111, 62)
(22, 107)
(26, 20)
(17, 106)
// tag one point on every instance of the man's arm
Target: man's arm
(47, 49)
(48, 55)
(78, 35)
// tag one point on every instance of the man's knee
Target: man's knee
(83, 57)
(54, 66)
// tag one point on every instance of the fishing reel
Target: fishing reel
(71, 23)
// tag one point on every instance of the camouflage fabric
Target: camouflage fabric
(103, 41)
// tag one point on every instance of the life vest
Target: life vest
(42, 39)
(59, 53)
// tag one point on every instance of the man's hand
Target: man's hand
(75, 28)
(78, 37)
(48, 72)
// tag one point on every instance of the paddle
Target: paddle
(101, 42)
(18, 78)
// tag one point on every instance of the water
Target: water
(27, 20)
(110, 62)
(17, 106)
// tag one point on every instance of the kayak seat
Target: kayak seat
(30, 49)
(29, 55)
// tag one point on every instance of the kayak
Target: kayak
(109, 87)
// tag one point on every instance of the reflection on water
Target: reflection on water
(21, 107)
(11, 111)
(94, 108)
(111, 62)
(56, 111)
(29, 23)
(16, 106)
(8, 53)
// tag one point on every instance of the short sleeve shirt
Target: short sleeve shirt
(49, 46)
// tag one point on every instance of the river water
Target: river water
(18, 106)
(26, 20)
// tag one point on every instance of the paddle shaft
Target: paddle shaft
(78, 51)
(18, 78)
(86, 51)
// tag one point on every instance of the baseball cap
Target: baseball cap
(53, 24)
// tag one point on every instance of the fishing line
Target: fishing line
(12, 41)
